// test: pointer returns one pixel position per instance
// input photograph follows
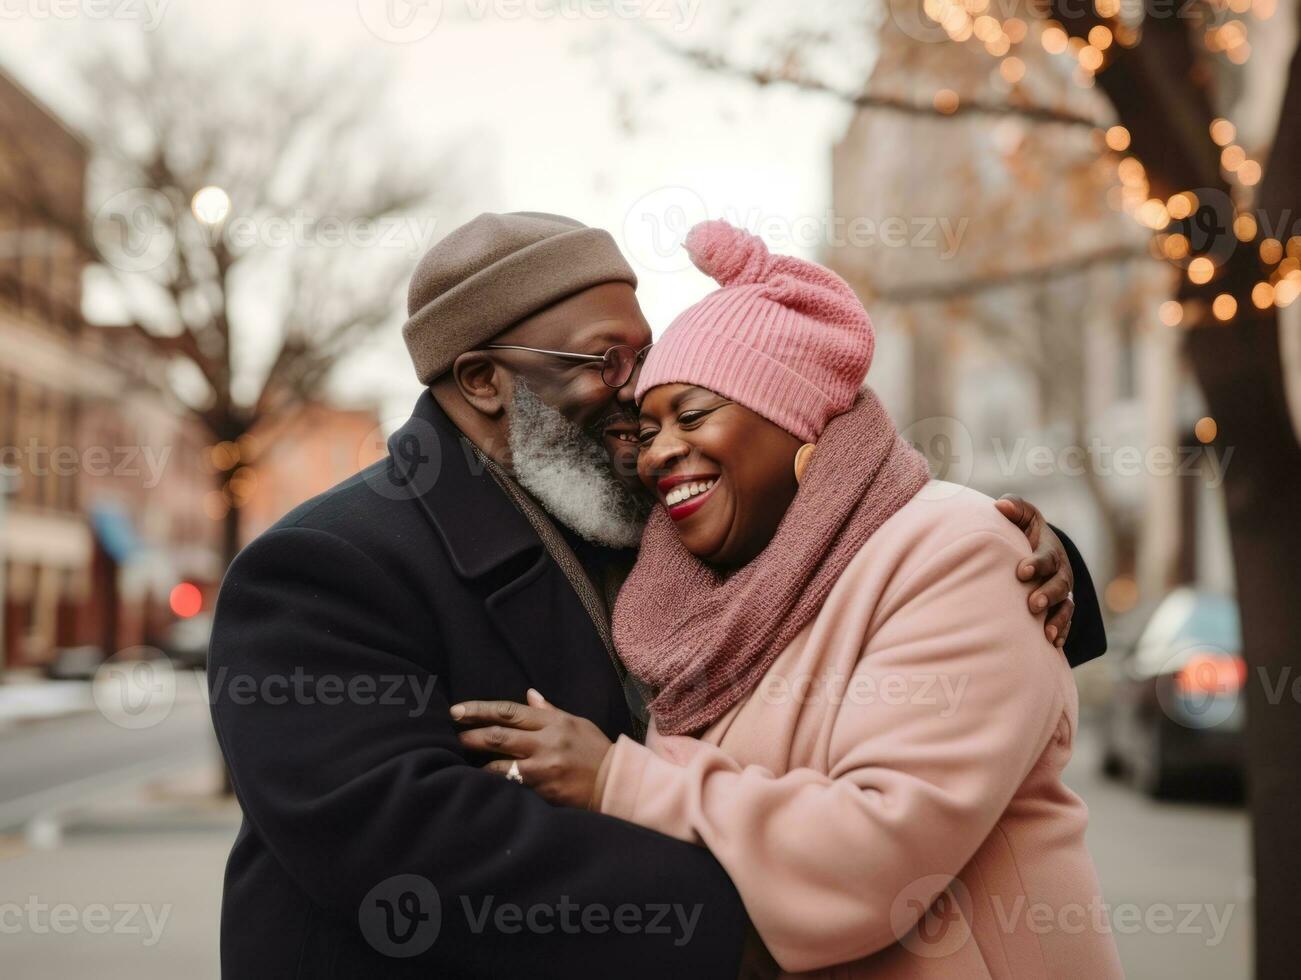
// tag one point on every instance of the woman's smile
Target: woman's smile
(685, 494)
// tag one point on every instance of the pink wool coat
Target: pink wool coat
(889, 800)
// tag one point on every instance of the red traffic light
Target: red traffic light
(186, 600)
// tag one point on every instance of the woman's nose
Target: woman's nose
(660, 456)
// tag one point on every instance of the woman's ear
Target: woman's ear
(482, 382)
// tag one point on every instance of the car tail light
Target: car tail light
(1211, 674)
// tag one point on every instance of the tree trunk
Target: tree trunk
(1240, 371)
(230, 540)
(230, 545)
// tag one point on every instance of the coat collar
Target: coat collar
(529, 600)
(431, 460)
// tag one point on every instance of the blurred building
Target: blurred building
(303, 454)
(1061, 385)
(107, 472)
(115, 497)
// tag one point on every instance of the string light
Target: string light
(1100, 37)
(946, 101)
(986, 28)
(979, 21)
(1224, 307)
(1223, 132)
(1176, 247)
(1182, 205)
(1200, 270)
(1153, 213)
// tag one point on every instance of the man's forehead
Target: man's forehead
(586, 322)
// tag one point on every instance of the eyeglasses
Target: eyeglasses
(617, 363)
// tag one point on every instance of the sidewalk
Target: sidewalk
(31, 697)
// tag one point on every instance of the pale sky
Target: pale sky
(533, 93)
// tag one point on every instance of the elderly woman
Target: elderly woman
(852, 707)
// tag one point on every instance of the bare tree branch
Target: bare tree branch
(924, 292)
(716, 63)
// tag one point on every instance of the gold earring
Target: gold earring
(803, 456)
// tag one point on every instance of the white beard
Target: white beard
(569, 473)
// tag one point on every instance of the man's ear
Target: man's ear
(482, 383)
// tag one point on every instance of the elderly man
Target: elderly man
(478, 560)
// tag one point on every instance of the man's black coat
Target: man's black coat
(372, 846)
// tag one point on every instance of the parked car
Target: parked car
(186, 641)
(74, 663)
(1177, 709)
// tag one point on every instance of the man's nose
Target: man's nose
(626, 395)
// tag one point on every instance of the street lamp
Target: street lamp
(210, 205)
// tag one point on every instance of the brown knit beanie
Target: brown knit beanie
(493, 272)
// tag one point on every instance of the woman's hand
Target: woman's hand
(558, 754)
(1049, 567)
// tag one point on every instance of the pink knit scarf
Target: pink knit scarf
(703, 639)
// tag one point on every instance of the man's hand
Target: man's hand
(558, 754)
(1048, 567)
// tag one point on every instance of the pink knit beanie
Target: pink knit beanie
(786, 338)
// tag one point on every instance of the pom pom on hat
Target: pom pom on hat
(786, 338)
(729, 255)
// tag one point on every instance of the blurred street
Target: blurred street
(68, 760)
(162, 848)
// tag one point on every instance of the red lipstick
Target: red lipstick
(687, 507)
